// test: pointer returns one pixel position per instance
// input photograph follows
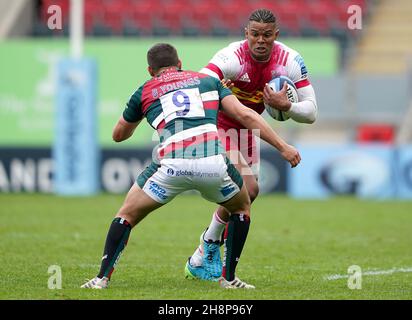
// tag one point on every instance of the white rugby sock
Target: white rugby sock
(214, 233)
(196, 258)
(216, 228)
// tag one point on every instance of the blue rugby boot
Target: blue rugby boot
(211, 258)
(192, 272)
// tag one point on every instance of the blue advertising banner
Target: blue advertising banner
(365, 171)
(75, 147)
(33, 170)
(403, 170)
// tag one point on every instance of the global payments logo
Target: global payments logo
(200, 174)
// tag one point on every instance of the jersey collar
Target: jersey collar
(167, 70)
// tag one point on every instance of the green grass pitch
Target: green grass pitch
(293, 246)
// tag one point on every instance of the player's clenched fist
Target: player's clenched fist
(291, 154)
(227, 83)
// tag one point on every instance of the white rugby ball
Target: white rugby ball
(276, 84)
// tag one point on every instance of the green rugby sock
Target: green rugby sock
(116, 241)
(234, 240)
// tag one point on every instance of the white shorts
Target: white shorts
(214, 177)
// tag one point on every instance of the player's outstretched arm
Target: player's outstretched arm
(252, 120)
(123, 130)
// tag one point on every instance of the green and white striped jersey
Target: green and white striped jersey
(182, 106)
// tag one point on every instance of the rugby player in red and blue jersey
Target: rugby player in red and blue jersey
(248, 65)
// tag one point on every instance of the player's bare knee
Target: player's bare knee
(246, 212)
(253, 191)
(245, 206)
(129, 213)
(129, 218)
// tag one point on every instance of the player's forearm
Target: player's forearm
(120, 134)
(303, 111)
(251, 120)
(123, 130)
(255, 121)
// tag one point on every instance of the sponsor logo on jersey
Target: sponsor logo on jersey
(155, 93)
(303, 69)
(244, 78)
(222, 57)
(170, 172)
(256, 97)
(279, 71)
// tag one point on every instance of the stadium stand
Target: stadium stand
(311, 18)
(386, 43)
(16, 18)
(383, 22)
(211, 18)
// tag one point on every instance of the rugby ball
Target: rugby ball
(276, 84)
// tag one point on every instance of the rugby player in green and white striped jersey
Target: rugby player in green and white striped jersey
(183, 106)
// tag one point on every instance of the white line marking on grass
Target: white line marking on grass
(369, 273)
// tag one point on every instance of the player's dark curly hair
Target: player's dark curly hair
(162, 55)
(263, 15)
